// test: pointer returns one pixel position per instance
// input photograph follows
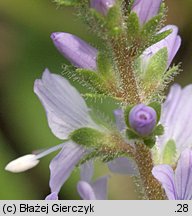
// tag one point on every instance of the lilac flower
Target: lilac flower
(176, 118)
(146, 9)
(176, 183)
(78, 52)
(172, 42)
(142, 119)
(102, 6)
(89, 190)
(66, 111)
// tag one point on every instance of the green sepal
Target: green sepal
(103, 64)
(88, 137)
(113, 20)
(169, 152)
(156, 68)
(150, 27)
(99, 18)
(126, 114)
(133, 26)
(150, 142)
(173, 71)
(67, 2)
(131, 134)
(157, 107)
(159, 130)
(160, 36)
(130, 4)
(93, 79)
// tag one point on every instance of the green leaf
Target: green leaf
(103, 64)
(156, 67)
(157, 107)
(93, 79)
(169, 152)
(133, 26)
(150, 27)
(67, 2)
(88, 137)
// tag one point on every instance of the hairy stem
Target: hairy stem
(124, 59)
(152, 187)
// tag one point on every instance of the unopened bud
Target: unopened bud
(102, 6)
(142, 119)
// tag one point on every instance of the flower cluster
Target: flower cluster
(151, 137)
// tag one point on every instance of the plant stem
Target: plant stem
(124, 59)
(152, 187)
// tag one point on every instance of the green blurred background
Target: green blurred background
(25, 50)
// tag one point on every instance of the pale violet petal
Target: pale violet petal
(165, 175)
(88, 189)
(100, 188)
(85, 191)
(63, 164)
(102, 6)
(183, 175)
(123, 165)
(65, 108)
(87, 171)
(176, 118)
(172, 42)
(52, 196)
(77, 51)
(146, 9)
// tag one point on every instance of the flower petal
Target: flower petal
(146, 9)
(85, 191)
(65, 108)
(87, 171)
(52, 196)
(183, 175)
(100, 188)
(165, 175)
(172, 42)
(89, 190)
(123, 165)
(102, 6)
(176, 118)
(63, 164)
(77, 51)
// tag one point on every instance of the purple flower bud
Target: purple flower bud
(102, 6)
(142, 119)
(146, 9)
(78, 52)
